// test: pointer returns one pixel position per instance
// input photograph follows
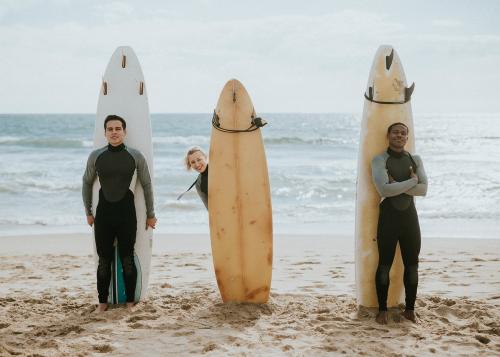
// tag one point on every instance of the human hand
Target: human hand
(90, 220)
(151, 222)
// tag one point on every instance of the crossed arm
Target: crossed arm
(416, 185)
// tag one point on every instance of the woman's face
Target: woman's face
(198, 161)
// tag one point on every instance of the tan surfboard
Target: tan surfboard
(387, 101)
(239, 200)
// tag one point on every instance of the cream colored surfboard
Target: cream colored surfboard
(386, 84)
(239, 202)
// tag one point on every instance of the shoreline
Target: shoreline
(431, 229)
(36, 243)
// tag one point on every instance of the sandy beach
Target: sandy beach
(47, 295)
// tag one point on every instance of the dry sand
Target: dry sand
(47, 295)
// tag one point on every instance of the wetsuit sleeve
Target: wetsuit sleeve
(419, 189)
(88, 180)
(147, 186)
(381, 180)
(203, 195)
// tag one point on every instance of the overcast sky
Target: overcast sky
(292, 56)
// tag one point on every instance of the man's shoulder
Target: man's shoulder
(137, 155)
(380, 158)
(134, 152)
(416, 157)
(96, 152)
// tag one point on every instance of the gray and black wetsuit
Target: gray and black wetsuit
(117, 167)
(202, 186)
(398, 220)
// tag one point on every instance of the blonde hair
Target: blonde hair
(192, 150)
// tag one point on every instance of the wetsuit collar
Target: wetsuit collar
(395, 153)
(205, 173)
(116, 148)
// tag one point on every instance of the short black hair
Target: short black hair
(115, 117)
(398, 123)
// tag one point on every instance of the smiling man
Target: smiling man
(398, 176)
(117, 167)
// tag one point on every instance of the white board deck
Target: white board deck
(123, 92)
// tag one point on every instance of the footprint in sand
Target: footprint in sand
(49, 344)
(183, 333)
(67, 330)
(105, 348)
(138, 325)
(142, 317)
(483, 339)
(209, 347)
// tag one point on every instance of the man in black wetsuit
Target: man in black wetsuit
(117, 167)
(398, 176)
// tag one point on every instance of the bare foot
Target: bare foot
(410, 315)
(381, 317)
(101, 308)
(130, 306)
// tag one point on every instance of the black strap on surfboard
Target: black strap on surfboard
(408, 92)
(190, 187)
(255, 123)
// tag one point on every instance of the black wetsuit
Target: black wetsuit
(116, 216)
(398, 220)
(202, 186)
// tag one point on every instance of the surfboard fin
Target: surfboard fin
(388, 60)
(409, 91)
(370, 92)
(258, 122)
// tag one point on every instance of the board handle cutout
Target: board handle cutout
(141, 88)
(104, 87)
(124, 61)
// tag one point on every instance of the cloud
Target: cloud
(289, 62)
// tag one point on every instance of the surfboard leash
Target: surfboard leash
(255, 124)
(408, 93)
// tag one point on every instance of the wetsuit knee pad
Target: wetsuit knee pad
(411, 274)
(382, 276)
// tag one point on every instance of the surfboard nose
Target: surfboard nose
(387, 80)
(233, 99)
(234, 89)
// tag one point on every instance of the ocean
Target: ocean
(312, 160)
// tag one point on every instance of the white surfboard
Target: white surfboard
(387, 101)
(123, 92)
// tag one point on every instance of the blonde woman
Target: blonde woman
(197, 160)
